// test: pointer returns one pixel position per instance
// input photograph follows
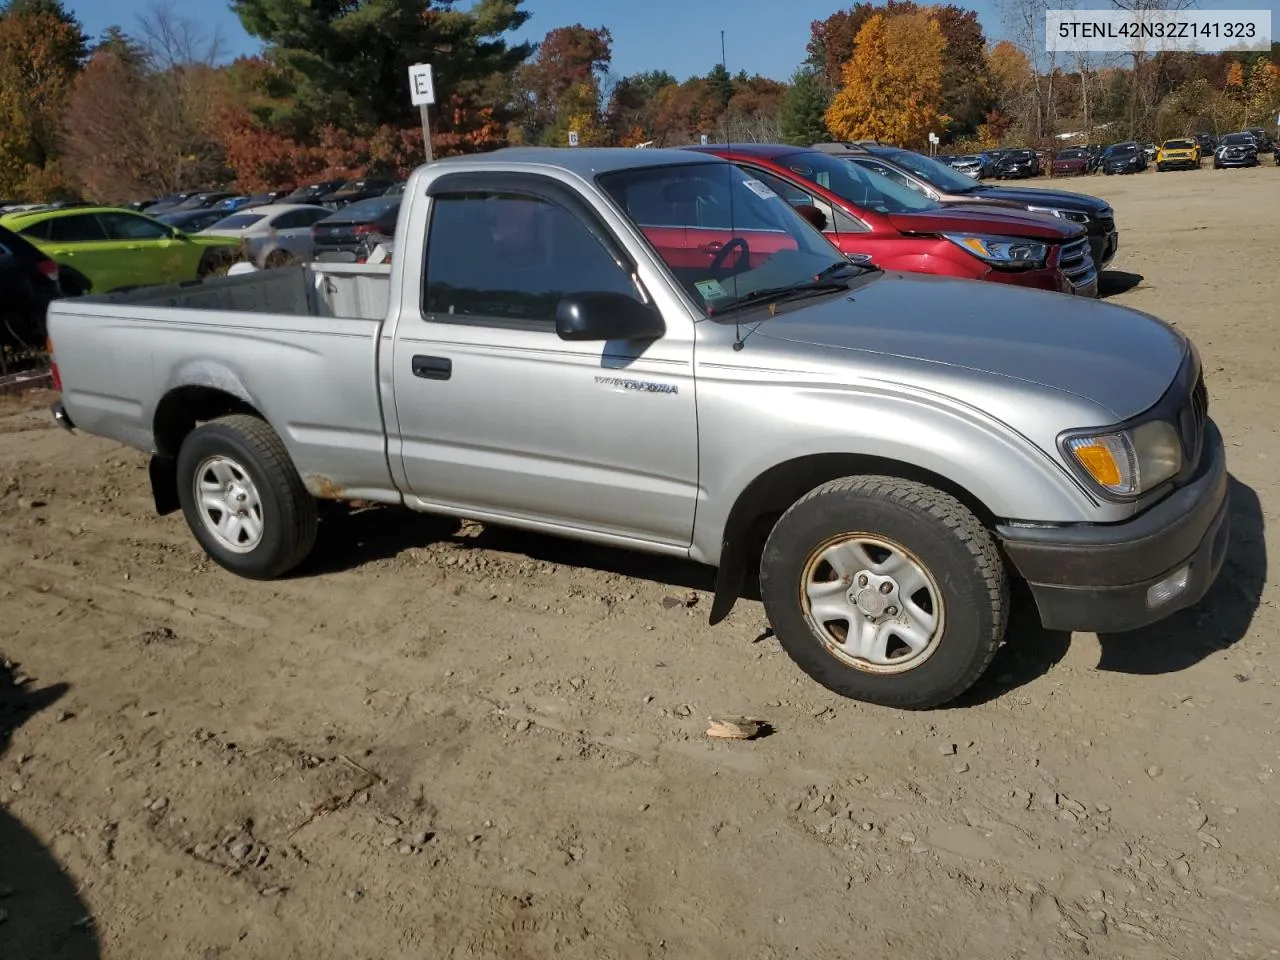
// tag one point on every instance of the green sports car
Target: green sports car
(101, 249)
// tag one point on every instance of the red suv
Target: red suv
(896, 228)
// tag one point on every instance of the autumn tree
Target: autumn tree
(804, 109)
(892, 83)
(1261, 90)
(572, 58)
(967, 95)
(42, 49)
(630, 111)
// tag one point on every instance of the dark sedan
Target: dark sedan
(1236, 150)
(193, 221)
(341, 237)
(1124, 158)
(356, 190)
(1018, 165)
(29, 280)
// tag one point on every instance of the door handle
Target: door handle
(712, 247)
(432, 368)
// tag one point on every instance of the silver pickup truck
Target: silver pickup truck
(650, 349)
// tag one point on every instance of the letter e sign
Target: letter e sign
(422, 88)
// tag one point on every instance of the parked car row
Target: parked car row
(103, 249)
(333, 194)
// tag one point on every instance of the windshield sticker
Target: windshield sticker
(760, 190)
(711, 289)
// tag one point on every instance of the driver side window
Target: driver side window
(123, 226)
(508, 259)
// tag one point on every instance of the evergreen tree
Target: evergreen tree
(720, 84)
(347, 62)
(804, 109)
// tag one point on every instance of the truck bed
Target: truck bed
(298, 345)
(350, 290)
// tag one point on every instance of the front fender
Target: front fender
(744, 436)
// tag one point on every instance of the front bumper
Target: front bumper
(1245, 161)
(1176, 162)
(1104, 247)
(1097, 578)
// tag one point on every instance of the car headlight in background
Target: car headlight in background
(1006, 252)
(1075, 216)
(1128, 463)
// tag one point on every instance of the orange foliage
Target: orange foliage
(892, 83)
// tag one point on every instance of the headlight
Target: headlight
(1002, 251)
(1128, 463)
(1074, 216)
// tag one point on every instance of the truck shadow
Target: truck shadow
(1112, 283)
(1219, 621)
(348, 539)
(44, 915)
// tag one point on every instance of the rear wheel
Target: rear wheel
(885, 590)
(243, 498)
(280, 258)
(215, 262)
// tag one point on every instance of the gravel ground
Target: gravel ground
(441, 740)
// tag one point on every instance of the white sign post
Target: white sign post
(933, 142)
(422, 93)
(573, 138)
(705, 140)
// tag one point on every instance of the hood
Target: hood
(1113, 356)
(979, 218)
(1045, 198)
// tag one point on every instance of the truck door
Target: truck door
(499, 416)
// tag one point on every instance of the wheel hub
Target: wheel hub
(874, 596)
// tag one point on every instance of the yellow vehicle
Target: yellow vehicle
(1182, 154)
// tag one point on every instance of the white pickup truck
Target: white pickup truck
(653, 350)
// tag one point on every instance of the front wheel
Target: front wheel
(886, 591)
(243, 498)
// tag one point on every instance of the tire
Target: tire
(938, 542)
(279, 258)
(246, 457)
(214, 263)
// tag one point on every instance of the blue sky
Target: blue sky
(761, 36)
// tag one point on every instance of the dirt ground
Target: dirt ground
(440, 740)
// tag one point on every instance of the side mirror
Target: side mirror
(607, 316)
(813, 215)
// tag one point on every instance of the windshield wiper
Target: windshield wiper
(777, 294)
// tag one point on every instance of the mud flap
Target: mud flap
(164, 484)
(729, 579)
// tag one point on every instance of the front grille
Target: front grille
(1076, 262)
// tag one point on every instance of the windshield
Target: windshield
(1232, 139)
(722, 234)
(1179, 144)
(855, 184)
(935, 174)
(1073, 155)
(1122, 149)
